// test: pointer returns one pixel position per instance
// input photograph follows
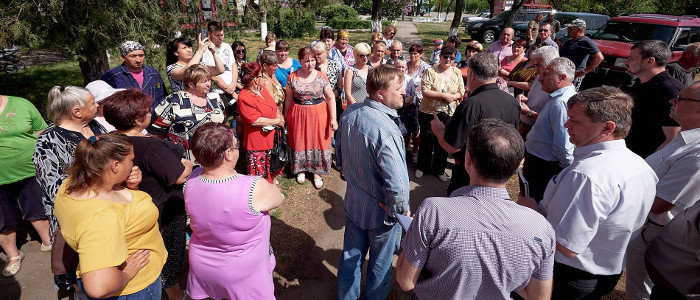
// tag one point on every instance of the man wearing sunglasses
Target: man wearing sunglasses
(678, 167)
(544, 38)
(652, 127)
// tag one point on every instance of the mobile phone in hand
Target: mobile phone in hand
(204, 34)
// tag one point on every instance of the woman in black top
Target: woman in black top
(164, 172)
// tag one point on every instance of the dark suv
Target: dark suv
(616, 38)
(488, 31)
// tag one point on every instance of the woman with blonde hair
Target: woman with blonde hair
(179, 114)
(378, 53)
(355, 77)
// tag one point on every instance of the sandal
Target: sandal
(45, 248)
(318, 183)
(13, 268)
(301, 178)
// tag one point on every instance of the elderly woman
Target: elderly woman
(378, 53)
(268, 65)
(179, 114)
(342, 45)
(230, 255)
(332, 69)
(21, 123)
(508, 63)
(260, 119)
(389, 33)
(355, 77)
(327, 37)
(442, 89)
(286, 65)
(113, 228)
(311, 116)
(179, 57)
(72, 110)
(163, 173)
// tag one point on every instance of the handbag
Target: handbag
(64, 261)
(280, 154)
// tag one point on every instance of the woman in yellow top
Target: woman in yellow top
(114, 229)
(442, 89)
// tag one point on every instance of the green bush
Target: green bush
(353, 24)
(338, 11)
(294, 23)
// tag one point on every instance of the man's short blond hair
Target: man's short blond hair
(380, 77)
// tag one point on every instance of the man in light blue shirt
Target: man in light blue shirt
(599, 202)
(547, 144)
(372, 156)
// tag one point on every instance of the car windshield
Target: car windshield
(501, 16)
(633, 32)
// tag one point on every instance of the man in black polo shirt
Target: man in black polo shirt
(652, 127)
(486, 101)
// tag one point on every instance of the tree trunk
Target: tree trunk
(457, 18)
(377, 15)
(93, 64)
(517, 5)
(492, 7)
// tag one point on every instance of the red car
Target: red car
(615, 40)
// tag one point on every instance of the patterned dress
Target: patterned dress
(349, 57)
(52, 156)
(308, 126)
(176, 85)
(359, 85)
(178, 117)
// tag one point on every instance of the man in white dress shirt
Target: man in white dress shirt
(678, 167)
(597, 204)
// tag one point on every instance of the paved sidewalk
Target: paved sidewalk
(407, 33)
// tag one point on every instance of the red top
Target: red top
(252, 107)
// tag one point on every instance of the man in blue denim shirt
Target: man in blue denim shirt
(373, 159)
(134, 74)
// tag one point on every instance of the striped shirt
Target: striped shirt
(477, 244)
(372, 156)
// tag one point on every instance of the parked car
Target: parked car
(488, 31)
(593, 23)
(482, 16)
(616, 38)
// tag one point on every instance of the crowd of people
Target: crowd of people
(129, 185)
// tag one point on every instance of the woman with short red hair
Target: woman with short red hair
(310, 113)
(260, 119)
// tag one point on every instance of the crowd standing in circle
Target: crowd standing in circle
(609, 179)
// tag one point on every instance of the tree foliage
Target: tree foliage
(86, 28)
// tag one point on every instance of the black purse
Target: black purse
(280, 154)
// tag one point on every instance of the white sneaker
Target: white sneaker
(419, 174)
(301, 178)
(443, 177)
(414, 158)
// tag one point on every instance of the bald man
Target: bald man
(503, 47)
(394, 52)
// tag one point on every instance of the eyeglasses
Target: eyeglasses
(363, 55)
(543, 30)
(450, 58)
(679, 99)
(240, 51)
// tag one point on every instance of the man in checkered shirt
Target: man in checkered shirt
(478, 244)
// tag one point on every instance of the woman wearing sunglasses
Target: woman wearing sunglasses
(355, 77)
(389, 33)
(239, 53)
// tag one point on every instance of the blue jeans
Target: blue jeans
(151, 292)
(381, 242)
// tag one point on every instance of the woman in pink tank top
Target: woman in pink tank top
(230, 255)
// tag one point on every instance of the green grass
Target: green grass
(431, 31)
(34, 83)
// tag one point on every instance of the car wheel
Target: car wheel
(10, 68)
(20, 65)
(489, 36)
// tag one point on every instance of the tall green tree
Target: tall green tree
(87, 28)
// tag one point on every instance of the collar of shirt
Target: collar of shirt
(483, 88)
(690, 135)
(381, 107)
(562, 91)
(585, 151)
(479, 191)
